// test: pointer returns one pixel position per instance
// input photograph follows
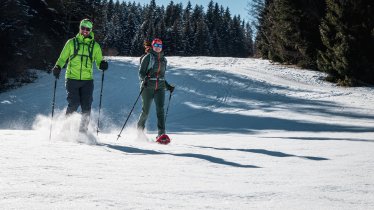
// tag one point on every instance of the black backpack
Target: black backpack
(76, 49)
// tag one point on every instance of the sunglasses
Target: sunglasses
(157, 45)
(85, 28)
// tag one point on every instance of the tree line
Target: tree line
(334, 36)
(33, 32)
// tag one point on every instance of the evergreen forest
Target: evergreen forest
(33, 32)
(334, 36)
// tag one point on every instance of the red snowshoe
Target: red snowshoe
(163, 139)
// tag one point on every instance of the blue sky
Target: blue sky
(237, 7)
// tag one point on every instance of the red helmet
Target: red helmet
(156, 41)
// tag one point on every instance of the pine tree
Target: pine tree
(288, 31)
(99, 19)
(187, 12)
(255, 10)
(285, 33)
(169, 15)
(160, 30)
(118, 27)
(12, 36)
(118, 30)
(110, 9)
(262, 40)
(210, 16)
(225, 34)
(187, 34)
(74, 12)
(173, 24)
(30, 33)
(187, 39)
(348, 37)
(312, 13)
(237, 38)
(176, 38)
(216, 44)
(202, 38)
(249, 40)
(102, 29)
(214, 21)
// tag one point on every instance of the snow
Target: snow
(246, 134)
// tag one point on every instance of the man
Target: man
(80, 52)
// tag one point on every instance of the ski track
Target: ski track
(246, 134)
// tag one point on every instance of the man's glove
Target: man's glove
(56, 72)
(170, 88)
(104, 65)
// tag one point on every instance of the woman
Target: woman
(152, 78)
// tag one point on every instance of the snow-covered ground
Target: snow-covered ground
(245, 134)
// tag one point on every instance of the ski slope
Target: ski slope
(246, 134)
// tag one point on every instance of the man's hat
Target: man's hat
(86, 23)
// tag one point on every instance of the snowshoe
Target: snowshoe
(163, 139)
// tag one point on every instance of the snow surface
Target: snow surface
(246, 134)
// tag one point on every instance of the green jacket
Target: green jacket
(157, 70)
(80, 65)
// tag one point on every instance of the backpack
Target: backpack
(151, 61)
(76, 49)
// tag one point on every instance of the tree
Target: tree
(248, 40)
(202, 38)
(225, 34)
(348, 36)
(285, 33)
(110, 9)
(262, 40)
(237, 38)
(255, 9)
(30, 33)
(288, 31)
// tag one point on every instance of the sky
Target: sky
(237, 7)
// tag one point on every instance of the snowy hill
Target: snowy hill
(245, 134)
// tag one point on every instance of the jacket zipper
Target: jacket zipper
(158, 70)
(80, 78)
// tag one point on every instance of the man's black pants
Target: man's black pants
(79, 93)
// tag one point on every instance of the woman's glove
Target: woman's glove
(170, 87)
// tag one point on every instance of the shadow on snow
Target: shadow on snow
(209, 101)
(265, 152)
(322, 139)
(133, 150)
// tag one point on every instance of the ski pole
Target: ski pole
(101, 96)
(167, 109)
(53, 108)
(128, 116)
